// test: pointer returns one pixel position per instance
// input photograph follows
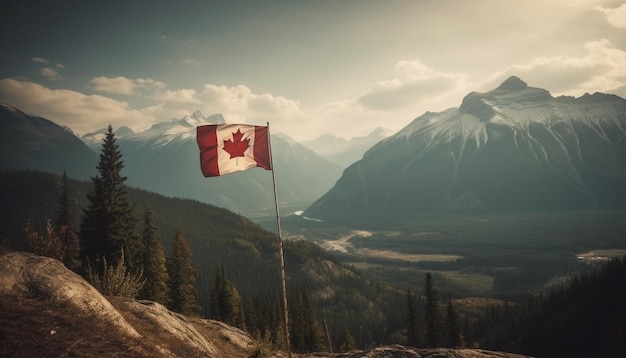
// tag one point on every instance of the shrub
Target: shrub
(116, 280)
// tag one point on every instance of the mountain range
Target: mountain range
(165, 159)
(342, 151)
(513, 148)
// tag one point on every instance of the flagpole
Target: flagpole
(280, 246)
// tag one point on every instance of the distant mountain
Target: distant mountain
(165, 159)
(35, 143)
(345, 152)
(513, 148)
(94, 139)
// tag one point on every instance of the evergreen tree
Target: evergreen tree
(346, 341)
(306, 334)
(453, 330)
(277, 327)
(182, 274)
(214, 304)
(65, 226)
(225, 301)
(251, 319)
(108, 226)
(432, 316)
(412, 335)
(154, 266)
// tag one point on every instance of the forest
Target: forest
(198, 259)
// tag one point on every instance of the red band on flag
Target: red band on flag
(262, 148)
(207, 142)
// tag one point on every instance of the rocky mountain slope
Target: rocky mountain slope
(30, 142)
(513, 148)
(47, 310)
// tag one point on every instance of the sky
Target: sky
(343, 67)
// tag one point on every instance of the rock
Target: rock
(169, 324)
(48, 280)
(398, 351)
(143, 329)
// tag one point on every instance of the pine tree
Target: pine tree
(65, 226)
(182, 274)
(214, 304)
(432, 315)
(306, 334)
(453, 330)
(412, 335)
(251, 319)
(108, 226)
(346, 341)
(225, 301)
(154, 266)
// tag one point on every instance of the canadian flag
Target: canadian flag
(228, 148)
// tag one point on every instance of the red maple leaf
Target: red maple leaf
(236, 147)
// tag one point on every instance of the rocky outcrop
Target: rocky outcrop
(398, 351)
(48, 281)
(168, 324)
(144, 328)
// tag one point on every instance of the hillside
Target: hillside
(217, 236)
(29, 142)
(47, 310)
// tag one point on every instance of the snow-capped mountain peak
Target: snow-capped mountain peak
(512, 148)
(192, 120)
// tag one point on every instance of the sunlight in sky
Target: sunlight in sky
(309, 68)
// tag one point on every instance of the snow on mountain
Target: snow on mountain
(165, 159)
(94, 139)
(162, 133)
(159, 134)
(513, 148)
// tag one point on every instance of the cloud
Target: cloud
(123, 85)
(47, 71)
(615, 17)
(83, 113)
(179, 96)
(50, 73)
(40, 60)
(414, 82)
(601, 69)
(239, 103)
(189, 61)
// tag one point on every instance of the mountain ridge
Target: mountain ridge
(29, 142)
(165, 158)
(513, 148)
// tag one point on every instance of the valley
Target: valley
(490, 255)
